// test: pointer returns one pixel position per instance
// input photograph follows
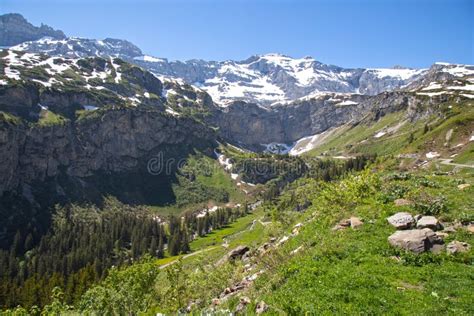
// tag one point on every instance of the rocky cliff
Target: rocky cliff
(15, 29)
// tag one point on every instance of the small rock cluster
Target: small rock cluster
(245, 254)
(353, 222)
(422, 233)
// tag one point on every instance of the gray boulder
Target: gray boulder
(416, 240)
(401, 220)
(428, 222)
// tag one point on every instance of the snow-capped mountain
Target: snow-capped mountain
(263, 79)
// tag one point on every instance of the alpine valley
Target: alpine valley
(132, 184)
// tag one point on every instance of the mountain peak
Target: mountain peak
(16, 29)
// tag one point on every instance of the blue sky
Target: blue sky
(366, 33)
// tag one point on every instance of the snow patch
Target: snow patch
(149, 59)
(90, 107)
(379, 134)
(432, 154)
(403, 73)
(172, 112)
(432, 86)
(347, 102)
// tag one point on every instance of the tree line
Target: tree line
(85, 241)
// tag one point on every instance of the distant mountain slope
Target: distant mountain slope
(15, 29)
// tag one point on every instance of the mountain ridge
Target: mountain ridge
(260, 78)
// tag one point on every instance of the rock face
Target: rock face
(117, 142)
(15, 29)
(401, 220)
(416, 240)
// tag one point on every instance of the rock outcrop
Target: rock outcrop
(114, 142)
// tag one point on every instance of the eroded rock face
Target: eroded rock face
(252, 125)
(416, 240)
(401, 220)
(117, 141)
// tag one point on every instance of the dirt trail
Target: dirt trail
(187, 256)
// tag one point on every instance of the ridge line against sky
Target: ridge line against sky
(347, 33)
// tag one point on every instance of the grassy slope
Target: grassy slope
(335, 272)
(352, 271)
(349, 140)
(208, 175)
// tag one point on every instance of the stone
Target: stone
(355, 222)
(238, 252)
(449, 229)
(463, 186)
(457, 247)
(338, 227)
(416, 240)
(401, 220)
(244, 301)
(261, 308)
(437, 248)
(216, 301)
(428, 222)
(442, 235)
(343, 224)
(402, 202)
(470, 228)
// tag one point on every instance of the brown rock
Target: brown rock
(457, 247)
(402, 202)
(244, 301)
(355, 222)
(470, 228)
(261, 308)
